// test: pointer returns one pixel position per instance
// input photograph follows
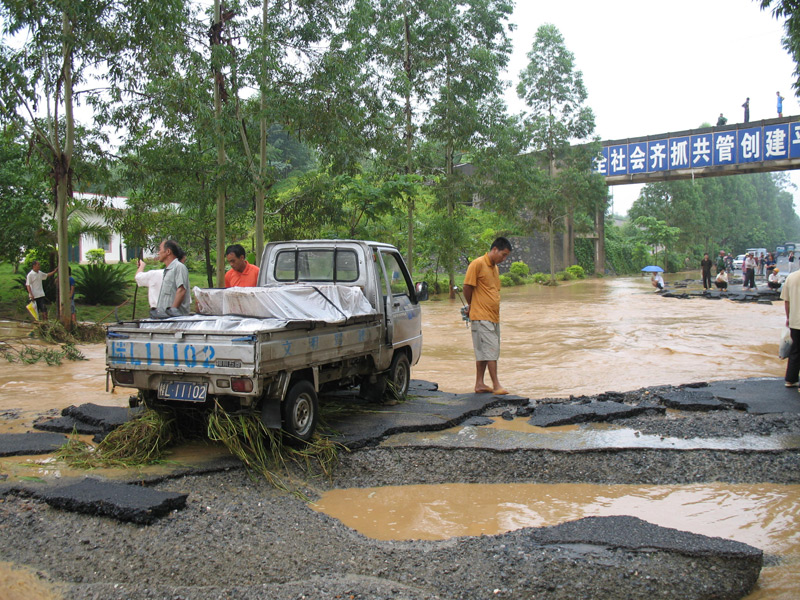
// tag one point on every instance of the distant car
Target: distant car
(739, 261)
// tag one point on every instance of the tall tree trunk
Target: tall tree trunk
(600, 240)
(451, 268)
(207, 253)
(552, 236)
(409, 134)
(262, 148)
(218, 82)
(63, 171)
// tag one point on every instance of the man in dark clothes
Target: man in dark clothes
(705, 267)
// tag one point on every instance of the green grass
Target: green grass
(13, 300)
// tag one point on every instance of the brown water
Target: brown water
(765, 516)
(604, 335)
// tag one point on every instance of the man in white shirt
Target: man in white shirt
(657, 280)
(33, 283)
(151, 280)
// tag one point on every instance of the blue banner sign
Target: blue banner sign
(696, 151)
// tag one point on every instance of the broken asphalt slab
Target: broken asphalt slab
(635, 534)
(764, 395)
(90, 418)
(360, 423)
(551, 415)
(23, 444)
(689, 399)
(120, 501)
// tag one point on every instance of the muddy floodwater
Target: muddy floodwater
(605, 335)
(580, 338)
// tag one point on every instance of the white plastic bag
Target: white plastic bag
(786, 343)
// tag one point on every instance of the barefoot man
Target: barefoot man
(482, 292)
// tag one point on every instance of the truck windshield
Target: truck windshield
(338, 265)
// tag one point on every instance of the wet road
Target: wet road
(605, 335)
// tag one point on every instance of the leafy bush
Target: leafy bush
(102, 284)
(576, 271)
(540, 277)
(564, 276)
(506, 281)
(584, 254)
(519, 269)
(96, 256)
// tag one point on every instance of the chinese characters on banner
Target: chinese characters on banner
(753, 144)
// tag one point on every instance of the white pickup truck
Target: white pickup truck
(326, 313)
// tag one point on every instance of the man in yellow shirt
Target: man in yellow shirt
(482, 292)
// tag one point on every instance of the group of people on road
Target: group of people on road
(763, 265)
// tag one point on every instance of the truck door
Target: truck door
(403, 316)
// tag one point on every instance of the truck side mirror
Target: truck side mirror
(421, 289)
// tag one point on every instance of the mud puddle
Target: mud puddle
(505, 434)
(766, 516)
(21, 583)
(47, 469)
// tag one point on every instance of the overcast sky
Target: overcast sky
(653, 67)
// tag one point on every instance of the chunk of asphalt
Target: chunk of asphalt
(551, 415)
(20, 444)
(690, 400)
(478, 421)
(66, 425)
(119, 501)
(635, 534)
(105, 417)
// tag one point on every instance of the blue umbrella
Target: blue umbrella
(653, 269)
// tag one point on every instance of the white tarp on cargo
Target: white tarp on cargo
(215, 324)
(327, 303)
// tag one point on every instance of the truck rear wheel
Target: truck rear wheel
(300, 410)
(399, 377)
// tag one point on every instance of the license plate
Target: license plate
(179, 390)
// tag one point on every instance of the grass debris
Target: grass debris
(138, 442)
(29, 355)
(265, 452)
(55, 332)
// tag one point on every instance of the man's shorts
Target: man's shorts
(41, 304)
(486, 340)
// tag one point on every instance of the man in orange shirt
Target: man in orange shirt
(241, 273)
(482, 292)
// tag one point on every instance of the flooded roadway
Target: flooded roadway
(579, 338)
(602, 335)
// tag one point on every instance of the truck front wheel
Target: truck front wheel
(300, 410)
(399, 377)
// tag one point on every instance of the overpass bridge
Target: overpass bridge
(755, 147)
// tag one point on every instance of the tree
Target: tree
(49, 47)
(23, 192)
(555, 94)
(657, 234)
(465, 92)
